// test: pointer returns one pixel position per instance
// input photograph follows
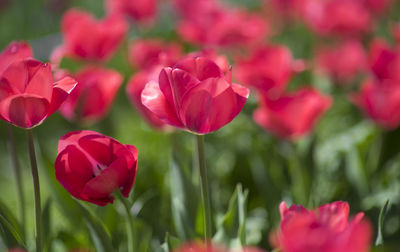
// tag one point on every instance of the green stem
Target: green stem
(129, 224)
(18, 177)
(205, 194)
(36, 189)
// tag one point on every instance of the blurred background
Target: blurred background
(347, 155)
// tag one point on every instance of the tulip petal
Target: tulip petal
(200, 67)
(127, 187)
(40, 80)
(15, 51)
(155, 101)
(24, 111)
(212, 104)
(61, 90)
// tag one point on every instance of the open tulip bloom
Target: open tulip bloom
(195, 95)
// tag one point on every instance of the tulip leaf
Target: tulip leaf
(100, 237)
(10, 231)
(382, 215)
(184, 199)
(231, 229)
(171, 243)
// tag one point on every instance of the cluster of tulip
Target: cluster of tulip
(195, 92)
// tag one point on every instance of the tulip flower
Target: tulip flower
(89, 39)
(201, 247)
(134, 91)
(291, 115)
(326, 228)
(381, 102)
(138, 10)
(343, 61)
(93, 96)
(28, 95)
(145, 54)
(337, 17)
(221, 60)
(384, 60)
(268, 68)
(15, 51)
(194, 95)
(223, 28)
(91, 166)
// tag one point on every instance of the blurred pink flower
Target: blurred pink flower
(292, 115)
(138, 10)
(90, 39)
(384, 60)
(146, 54)
(268, 68)
(380, 100)
(325, 229)
(93, 96)
(342, 61)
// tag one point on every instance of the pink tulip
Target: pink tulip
(384, 60)
(28, 95)
(195, 95)
(145, 54)
(381, 102)
(90, 39)
(138, 10)
(325, 229)
(93, 96)
(268, 68)
(292, 115)
(343, 61)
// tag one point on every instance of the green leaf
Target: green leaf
(231, 229)
(46, 220)
(100, 237)
(382, 214)
(171, 243)
(184, 198)
(10, 230)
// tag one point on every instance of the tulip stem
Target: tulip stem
(129, 224)
(36, 190)
(18, 177)
(205, 193)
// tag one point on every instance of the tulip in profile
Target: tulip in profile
(89, 39)
(384, 60)
(93, 96)
(28, 95)
(195, 95)
(381, 102)
(145, 54)
(291, 115)
(91, 166)
(343, 61)
(268, 68)
(325, 229)
(138, 10)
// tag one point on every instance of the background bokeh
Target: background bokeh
(347, 157)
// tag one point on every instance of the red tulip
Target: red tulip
(89, 39)
(15, 51)
(337, 17)
(223, 28)
(343, 61)
(134, 90)
(91, 166)
(201, 247)
(381, 102)
(268, 68)
(384, 60)
(292, 115)
(326, 229)
(139, 10)
(145, 54)
(94, 94)
(195, 95)
(28, 95)
(378, 6)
